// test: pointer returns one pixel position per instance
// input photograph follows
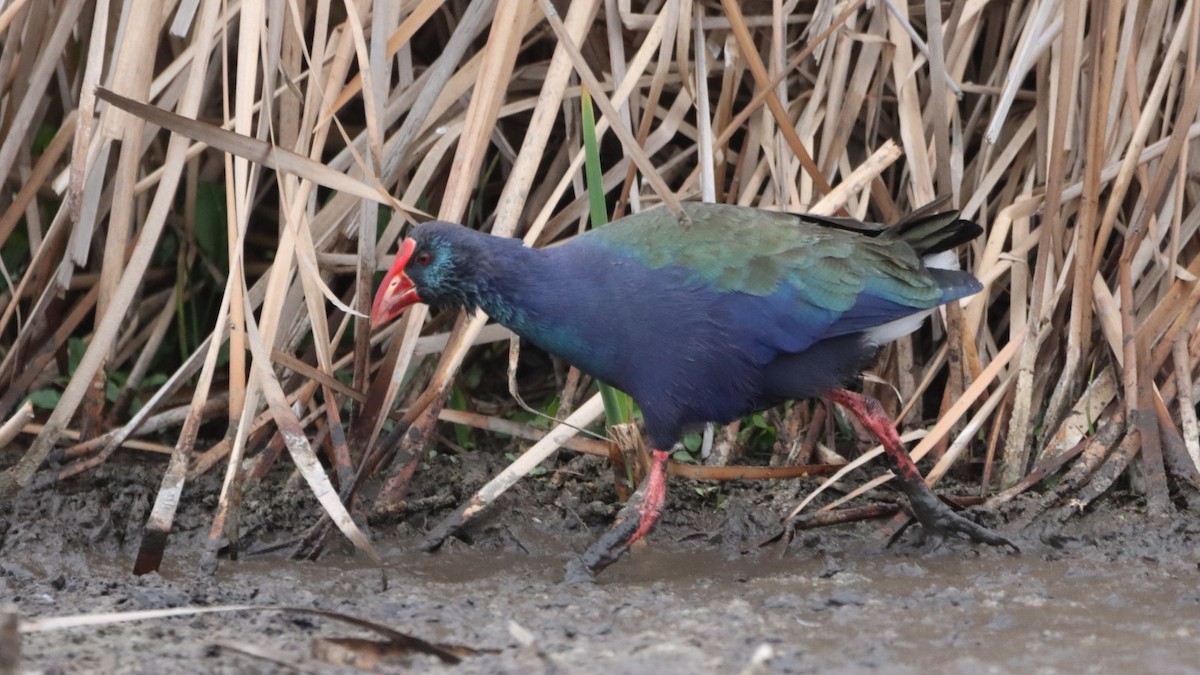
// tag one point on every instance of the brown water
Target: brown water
(1118, 595)
(660, 610)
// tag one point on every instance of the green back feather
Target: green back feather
(739, 249)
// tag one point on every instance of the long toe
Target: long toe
(635, 520)
(926, 507)
(609, 547)
(938, 518)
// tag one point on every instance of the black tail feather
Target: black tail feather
(937, 233)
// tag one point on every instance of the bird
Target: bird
(706, 317)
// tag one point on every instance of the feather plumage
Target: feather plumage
(708, 320)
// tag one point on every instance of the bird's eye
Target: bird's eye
(423, 258)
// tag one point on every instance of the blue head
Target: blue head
(440, 264)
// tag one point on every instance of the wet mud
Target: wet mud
(1108, 591)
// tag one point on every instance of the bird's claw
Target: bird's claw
(938, 520)
(635, 519)
(609, 547)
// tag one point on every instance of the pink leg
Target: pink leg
(649, 504)
(635, 519)
(930, 511)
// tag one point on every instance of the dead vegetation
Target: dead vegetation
(165, 286)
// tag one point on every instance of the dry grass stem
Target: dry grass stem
(189, 243)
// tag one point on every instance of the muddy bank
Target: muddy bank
(1114, 592)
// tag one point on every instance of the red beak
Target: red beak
(397, 291)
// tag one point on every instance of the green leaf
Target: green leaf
(76, 346)
(683, 456)
(462, 433)
(471, 375)
(16, 250)
(382, 218)
(211, 222)
(45, 399)
(42, 138)
(154, 381)
(597, 208)
(618, 406)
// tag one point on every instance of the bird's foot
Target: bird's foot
(635, 519)
(939, 520)
(931, 512)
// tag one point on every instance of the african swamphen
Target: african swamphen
(708, 320)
